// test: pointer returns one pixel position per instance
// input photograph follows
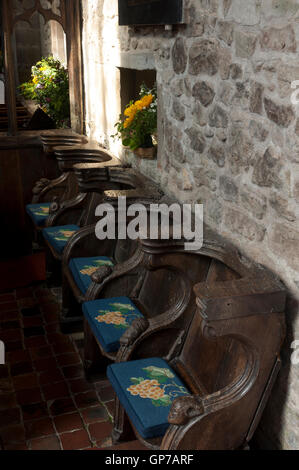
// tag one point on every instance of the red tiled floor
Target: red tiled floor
(84, 400)
(80, 385)
(45, 401)
(23, 382)
(26, 397)
(69, 422)
(41, 353)
(9, 417)
(94, 414)
(6, 298)
(45, 443)
(35, 411)
(48, 363)
(98, 431)
(75, 440)
(68, 359)
(41, 427)
(61, 406)
(13, 434)
(7, 400)
(57, 390)
(8, 306)
(18, 356)
(50, 376)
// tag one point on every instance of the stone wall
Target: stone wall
(228, 135)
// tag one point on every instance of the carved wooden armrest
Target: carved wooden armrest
(40, 185)
(74, 204)
(78, 237)
(55, 206)
(138, 326)
(185, 408)
(101, 273)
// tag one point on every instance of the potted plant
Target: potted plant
(137, 127)
(49, 88)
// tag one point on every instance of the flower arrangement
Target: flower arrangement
(49, 87)
(139, 122)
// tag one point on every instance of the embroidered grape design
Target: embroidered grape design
(147, 389)
(115, 318)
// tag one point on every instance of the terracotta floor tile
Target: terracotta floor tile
(23, 293)
(11, 335)
(98, 431)
(68, 422)
(6, 385)
(29, 322)
(13, 434)
(16, 446)
(94, 414)
(8, 306)
(9, 325)
(64, 348)
(61, 406)
(72, 372)
(45, 443)
(18, 356)
(68, 359)
(42, 365)
(54, 391)
(41, 353)
(132, 445)
(7, 400)
(106, 394)
(58, 338)
(7, 298)
(52, 328)
(80, 385)
(4, 371)
(35, 411)
(50, 376)
(13, 346)
(7, 316)
(51, 317)
(27, 397)
(110, 406)
(23, 382)
(39, 428)
(21, 368)
(31, 309)
(36, 342)
(84, 400)
(10, 417)
(33, 331)
(75, 440)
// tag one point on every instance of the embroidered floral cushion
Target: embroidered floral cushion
(109, 319)
(38, 213)
(59, 236)
(83, 268)
(146, 388)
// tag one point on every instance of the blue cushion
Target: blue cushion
(83, 268)
(109, 319)
(38, 213)
(58, 237)
(146, 388)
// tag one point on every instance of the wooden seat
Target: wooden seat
(84, 249)
(227, 361)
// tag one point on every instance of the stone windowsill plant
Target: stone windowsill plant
(138, 126)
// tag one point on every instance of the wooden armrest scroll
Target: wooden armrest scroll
(100, 274)
(185, 408)
(138, 326)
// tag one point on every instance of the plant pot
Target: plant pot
(146, 152)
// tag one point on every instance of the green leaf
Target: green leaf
(164, 401)
(159, 372)
(137, 380)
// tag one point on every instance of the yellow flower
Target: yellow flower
(35, 80)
